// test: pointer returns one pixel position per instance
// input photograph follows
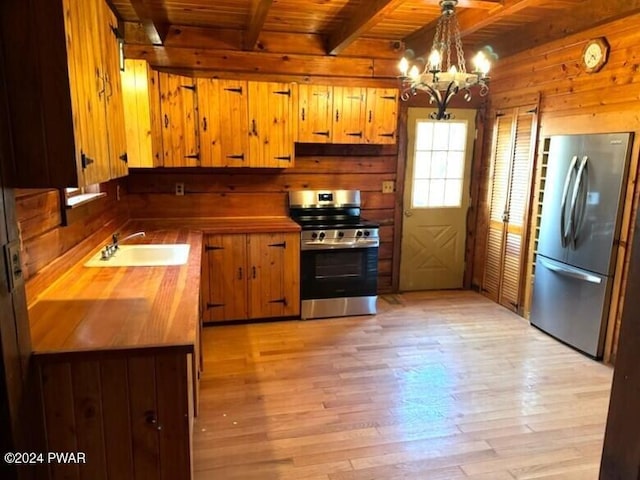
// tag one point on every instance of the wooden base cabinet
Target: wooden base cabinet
(129, 413)
(247, 276)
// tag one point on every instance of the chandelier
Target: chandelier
(441, 78)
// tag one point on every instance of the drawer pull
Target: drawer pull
(280, 300)
(281, 245)
(208, 248)
(215, 305)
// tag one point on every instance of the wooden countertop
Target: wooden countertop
(110, 308)
(222, 224)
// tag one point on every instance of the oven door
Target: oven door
(335, 273)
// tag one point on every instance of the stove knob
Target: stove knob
(314, 235)
(321, 235)
(340, 234)
(359, 233)
(367, 233)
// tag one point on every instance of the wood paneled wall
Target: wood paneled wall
(249, 192)
(573, 101)
(46, 234)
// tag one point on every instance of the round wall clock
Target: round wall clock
(595, 54)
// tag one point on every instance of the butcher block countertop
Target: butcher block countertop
(113, 308)
(121, 308)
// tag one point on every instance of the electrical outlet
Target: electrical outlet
(179, 189)
(388, 186)
(118, 193)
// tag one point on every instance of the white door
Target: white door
(436, 199)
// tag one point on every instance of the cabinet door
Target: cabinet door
(225, 284)
(234, 132)
(349, 108)
(315, 109)
(274, 281)
(382, 115)
(137, 113)
(209, 123)
(116, 134)
(271, 124)
(179, 124)
(88, 90)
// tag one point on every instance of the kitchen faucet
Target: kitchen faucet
(111, 248)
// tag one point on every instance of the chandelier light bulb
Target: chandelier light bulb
(435, 59)
(404, 66)
(453, 69)
(414, 73)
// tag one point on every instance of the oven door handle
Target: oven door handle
(334, 245)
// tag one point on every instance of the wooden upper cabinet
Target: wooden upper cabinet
(349, 110)
(234, 126)
(209, 122)
(58, 61)
(382, 115)
(116, 134)
(271, 127)
(315, 113)
(179, 120)
(138, 119)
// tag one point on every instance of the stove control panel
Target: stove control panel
(347, 238)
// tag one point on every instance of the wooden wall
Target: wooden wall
(250, 192)
(573, 101)
(46, 234)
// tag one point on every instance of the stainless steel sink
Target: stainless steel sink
(147, 255)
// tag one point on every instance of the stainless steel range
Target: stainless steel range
(339, 254)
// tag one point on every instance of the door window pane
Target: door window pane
(439, 158)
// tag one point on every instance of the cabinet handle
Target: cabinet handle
(388, 135)
(208, 248)
(152, 419)
(240, 273)
(204, 124)
(324, 134)
(253, 270)
(254, 127)
(283, 92)
(195, 156)
(85, 161)
(107, 81)
(286, 157)
(388, 97)
(370, 116)
(234, 90)
(236, 157)
(303, 114)
(354, 134)
(214, 305)
(337, 115)
(166, 121)
(281, 245)
(189, 87)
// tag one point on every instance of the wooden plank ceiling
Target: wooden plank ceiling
(336, 25)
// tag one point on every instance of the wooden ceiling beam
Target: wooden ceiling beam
(369, 14)
(591, 13)
(470, 20)
(259, 11)
(154, 21)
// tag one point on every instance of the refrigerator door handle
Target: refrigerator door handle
(579, 188)
(570, 272)
(564, 231)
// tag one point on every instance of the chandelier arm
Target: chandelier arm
(442, 101)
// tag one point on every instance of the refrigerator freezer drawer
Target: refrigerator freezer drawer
(571, 304)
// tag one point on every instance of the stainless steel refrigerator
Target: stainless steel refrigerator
(580, 224)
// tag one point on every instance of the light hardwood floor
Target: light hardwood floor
(437, 386)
